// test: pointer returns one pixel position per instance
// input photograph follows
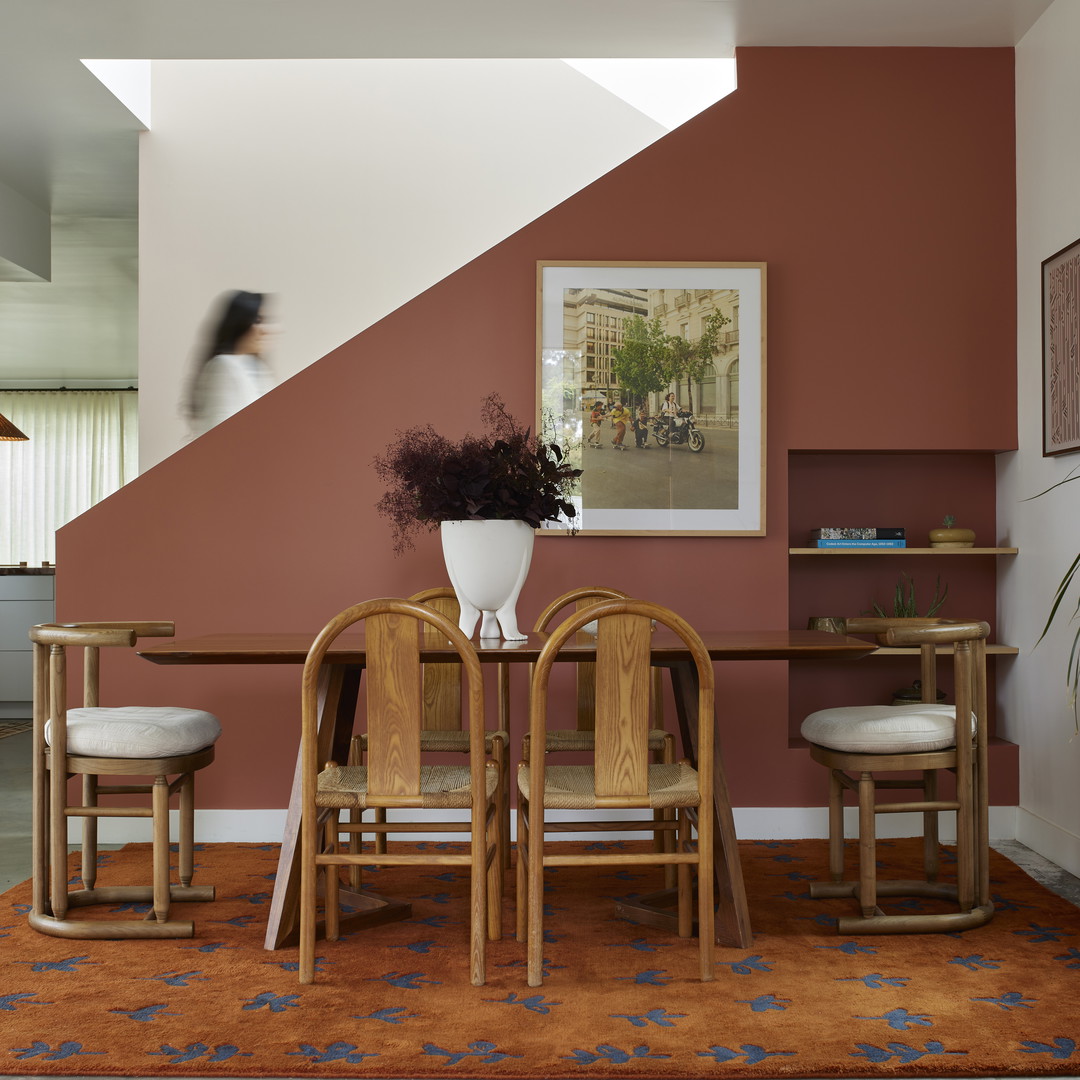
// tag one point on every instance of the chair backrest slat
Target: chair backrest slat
(622, 705)
(581, 598)
(442, 682)
(91, 676)
(928, 673)
(395, 704)
(586, 679)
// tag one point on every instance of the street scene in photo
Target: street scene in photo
(661, 477)
(645, 392)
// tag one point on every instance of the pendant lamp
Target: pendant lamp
(9, 432)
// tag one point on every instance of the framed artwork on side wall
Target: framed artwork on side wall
(653, 374)
(1061, 351)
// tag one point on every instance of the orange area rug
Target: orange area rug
(619, 1000)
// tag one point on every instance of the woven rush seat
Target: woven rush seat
(573, 787)
(883, 729)
(442, 787)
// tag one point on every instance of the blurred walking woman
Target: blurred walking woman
(230, 372)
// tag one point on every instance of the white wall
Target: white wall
(344, 187)
(1047, 530)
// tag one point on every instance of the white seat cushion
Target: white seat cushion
(883, 729)
(136, 731)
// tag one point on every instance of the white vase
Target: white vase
(487, 562)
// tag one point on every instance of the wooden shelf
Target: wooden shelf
(902, 551)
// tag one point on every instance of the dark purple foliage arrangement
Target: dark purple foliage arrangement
(504, 474)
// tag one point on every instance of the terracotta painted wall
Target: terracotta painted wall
(876, 184)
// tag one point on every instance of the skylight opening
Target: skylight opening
(670, 90)
(128, 81)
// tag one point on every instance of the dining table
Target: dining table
(338, 696)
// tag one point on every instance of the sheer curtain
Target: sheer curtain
(83, 446)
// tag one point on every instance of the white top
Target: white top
(227, 384)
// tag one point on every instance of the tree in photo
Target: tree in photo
(649, 359)
(642, 363)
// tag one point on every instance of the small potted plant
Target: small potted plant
(948, 536)
(486, 494)
(905, 606)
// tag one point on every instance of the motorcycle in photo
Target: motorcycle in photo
(683, 431)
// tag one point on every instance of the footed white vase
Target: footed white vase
(487, 562)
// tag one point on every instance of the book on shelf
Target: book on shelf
(837, 542)
(853, 533)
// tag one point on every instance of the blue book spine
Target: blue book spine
(859, 543)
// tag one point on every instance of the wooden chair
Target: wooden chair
(95, 741)
(581, 737)
(621, 776)
(393, 776)
(857, 744)
(442, 729)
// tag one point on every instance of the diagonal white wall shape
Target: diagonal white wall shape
(669, 90)
(345, 188)
(128, 81)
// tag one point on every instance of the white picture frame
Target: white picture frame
(584, 311)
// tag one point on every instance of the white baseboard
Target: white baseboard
(812, 823)
(751, 823)
(1051, 841)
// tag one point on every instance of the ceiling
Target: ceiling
(69, 147)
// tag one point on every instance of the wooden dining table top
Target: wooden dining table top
(349, 648)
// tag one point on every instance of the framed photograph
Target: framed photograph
(653, 374)
(1061, 351)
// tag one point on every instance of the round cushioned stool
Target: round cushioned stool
(883, 729)
(860, 743)
(125, 741)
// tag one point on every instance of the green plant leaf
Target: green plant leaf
(1059, 595)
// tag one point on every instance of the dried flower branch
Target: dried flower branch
(504, 474)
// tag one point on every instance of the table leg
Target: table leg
(732, 915)
(338, 690)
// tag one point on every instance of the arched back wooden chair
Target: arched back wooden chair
(582, 736)
(621, 777)
(443, 727)
(94, 741)
(866, 747)
(393, 776)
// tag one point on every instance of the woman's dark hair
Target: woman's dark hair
(239, 312)
(236, 314)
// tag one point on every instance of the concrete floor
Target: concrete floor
(15, 832)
